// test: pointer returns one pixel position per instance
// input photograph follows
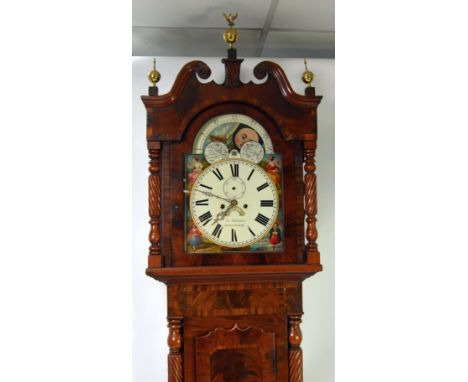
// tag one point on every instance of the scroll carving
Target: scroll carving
(154, 199)
(261, 70)
(310, 180)
(203, 71)
(295, 351)
(175, 357)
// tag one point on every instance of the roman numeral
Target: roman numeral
(250, 175)
(205, 218)
(217, 231)
(235, 169)
(252, 232)
(202, 202)
(218, 174)
(266, 203)
(233, 235)
(208, 187)
(262, 219)
(260, 188)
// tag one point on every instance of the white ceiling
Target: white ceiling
(267, 28)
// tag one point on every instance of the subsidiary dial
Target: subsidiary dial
(234, 188)
(216, 151)
(252, 151)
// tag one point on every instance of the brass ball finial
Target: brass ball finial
(154, 76)
(230, 35)
(307, 76)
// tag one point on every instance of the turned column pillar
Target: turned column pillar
(175, 357)
(295, 351)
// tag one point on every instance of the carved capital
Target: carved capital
(295, 334)
(174, 339)
(155, 160)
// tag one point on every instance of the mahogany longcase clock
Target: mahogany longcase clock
(232, 190)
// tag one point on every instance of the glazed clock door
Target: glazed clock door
(234, 188)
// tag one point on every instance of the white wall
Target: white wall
(149, 296)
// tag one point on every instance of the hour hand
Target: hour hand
(232, 207)
(222, 214)
(219, 217)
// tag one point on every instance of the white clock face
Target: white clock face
(234, 203)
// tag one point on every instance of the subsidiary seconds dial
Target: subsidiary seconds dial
(234, 203)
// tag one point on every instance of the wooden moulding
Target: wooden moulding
(234, 299)
(222, 274)
(296, 114)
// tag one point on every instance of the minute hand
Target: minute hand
(216, 196)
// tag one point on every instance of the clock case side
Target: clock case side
(169, 120)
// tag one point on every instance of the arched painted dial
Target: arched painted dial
(233, 130)
(234, 203)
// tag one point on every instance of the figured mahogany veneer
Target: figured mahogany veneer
(232, 316)
(235, 355)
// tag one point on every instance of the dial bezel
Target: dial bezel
(277, 203)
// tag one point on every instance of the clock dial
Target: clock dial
(234, 203)
(216, 151)
(233, 131)
(252, 151)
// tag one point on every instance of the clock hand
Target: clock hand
(222, 214)
(216, 196)
(239, 210)
(219, 217)
(232, 207)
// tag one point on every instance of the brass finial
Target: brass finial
(154, 76)
(307, 76)
(230, 34)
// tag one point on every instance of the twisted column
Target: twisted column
(154, 204)
(310, 180)
(295, 351)
(175, 357)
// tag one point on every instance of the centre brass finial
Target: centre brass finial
(154, 76)
(307, 76)
(230, 34)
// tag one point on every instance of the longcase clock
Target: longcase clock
(232, 205)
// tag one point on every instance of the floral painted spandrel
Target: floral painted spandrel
(196, 243)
